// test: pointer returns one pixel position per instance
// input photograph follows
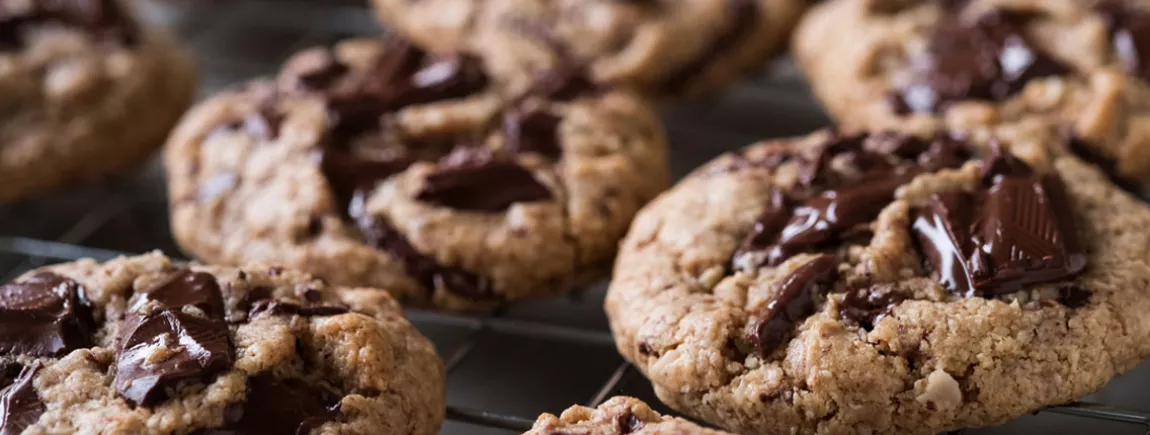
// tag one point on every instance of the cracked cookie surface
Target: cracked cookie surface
(142, 345)
(664, 48)
(376, 163)
(987, 66)
(86, 91)
(617, 416)
(882, 283)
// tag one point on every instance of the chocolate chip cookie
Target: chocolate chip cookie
(86, 90)
(617, 416)
(981, 65)
(664, 48)
(145, 346)
(377, 163)
(882, 283)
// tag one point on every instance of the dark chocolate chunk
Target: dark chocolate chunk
(628, 423)
(448, 76)
(866, 305)
(379, 233)
(1019, 231)
(20, 404)
(44, 315)
(322, 74)
(281, 308)
(989, 60)
(1074, 296)
(1129, 29)
(742, 17)
(274, 406)
(767, 227)
(174, 333)
(479, 180)
(351, 178)
(1108, 164)
(794, 302)
(532, 130)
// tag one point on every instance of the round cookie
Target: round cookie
(616, 416)
(375, 163)
(663, 48)
(882, 283)
(87, 91)
(987, 65)
(145, 346)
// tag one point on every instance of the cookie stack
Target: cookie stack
(965, 248)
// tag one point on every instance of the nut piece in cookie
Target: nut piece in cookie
(901, 283)
(148, 346)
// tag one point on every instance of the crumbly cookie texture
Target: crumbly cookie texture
(665, 48)
(144, 346)
(86, 91)
(616, 416)
(376, 163)
(987, 65)
(882, 283)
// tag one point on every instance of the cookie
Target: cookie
(882, 283)
(143, 345)
(985, 65)
(663, 48)
(376, 163)
(87, 91)
(616, 416)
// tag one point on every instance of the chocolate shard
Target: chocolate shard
(793, 302)
(380, 234)
(942, 229)
(20, 404)
(478, 180)
(274, 406)
(44, 315)
(1129, 29)
(867, 305)
(532, 131)
(350, 177)
(174, 333)
(281, 308)
(742, 17)
(989, 60)
(447, 76)
(772, 220)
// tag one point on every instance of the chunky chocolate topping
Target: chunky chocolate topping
(802, 221)
(742, 15)
(532, 130)
(991, 59)
(20, 405)
(1017, 231)
(793, 302)
(1129, 34)
(380, 234)
(173, 333)
(103, 19)
(274, 406)
(282, 308)
(628, 423)
(478, 180)
(44, 315)
(866, 305)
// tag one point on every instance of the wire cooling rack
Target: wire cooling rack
(507, 366)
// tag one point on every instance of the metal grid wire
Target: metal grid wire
(505, 366)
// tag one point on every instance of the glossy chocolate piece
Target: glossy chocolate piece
(532, 131)
(282, 308)
(867, 305)
(45, 315)
(380, 234)
(274, 406)
(175, 333)
(351, 177)
(943, 231)
(478, 180)
(793, 303)
(20, 404)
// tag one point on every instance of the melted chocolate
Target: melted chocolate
(44, 315)
(989, 60)
(379, 234)
(478, 180)
(866, 305)
(20, 404)
(274, 406)
(532, 131)
(282, 308)
(164, 341)
(794, 302)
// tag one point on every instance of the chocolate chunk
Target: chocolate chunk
(794, 302)
(44, 315)
(1017, 232)
(379, 233)
(532, 131)
(274, 406)
(281, 308)
(742, 17)
(767, 227)
(1108, 164)
(478, 180)
(989, 60)
(1129, 29)
(1074, 296)
(628, 423)
(20, 404)
(866, 305)
(448, 76)
(351, 178)
(323, 72)
(174, 333)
